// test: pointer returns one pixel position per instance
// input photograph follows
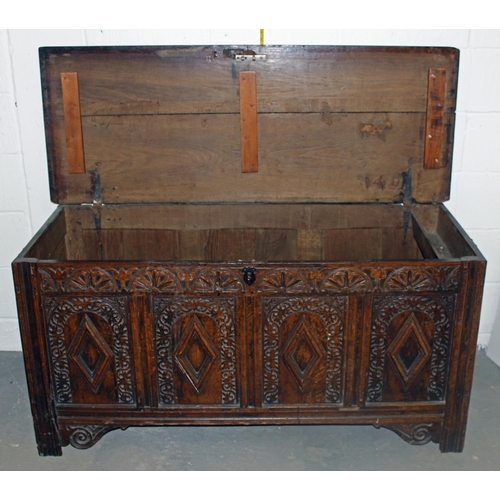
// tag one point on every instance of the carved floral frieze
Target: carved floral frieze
(229, 280)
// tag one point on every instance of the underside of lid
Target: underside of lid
(249, 124)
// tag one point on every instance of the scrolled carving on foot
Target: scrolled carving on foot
(85, 436)
(415, 433)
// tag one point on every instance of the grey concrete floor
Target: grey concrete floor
(263, 448)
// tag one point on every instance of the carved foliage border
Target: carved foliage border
(386, 308)
(167, 312)
(223, 280)
(112, 310)
(332, 312)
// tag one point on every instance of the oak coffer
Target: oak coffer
(249, 235)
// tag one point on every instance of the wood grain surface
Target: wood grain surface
(334, 123)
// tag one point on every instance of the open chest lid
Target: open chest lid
(249, 124)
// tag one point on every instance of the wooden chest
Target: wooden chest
(249, 235)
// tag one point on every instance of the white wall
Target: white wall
(24, 193)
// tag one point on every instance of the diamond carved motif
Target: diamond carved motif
(196, 353)
(303, 351)
(90, 353)
(410, 350)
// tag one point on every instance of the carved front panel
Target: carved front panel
(90, 351)
(195, 348)
(409, 348)
(303, 349)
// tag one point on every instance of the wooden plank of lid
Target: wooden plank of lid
(73, 122)
(248, 122)
(434, 127)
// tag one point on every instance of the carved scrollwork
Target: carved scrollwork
(112, 310)
(331, 312)
(450, 278)
(83, 437)
(167, 314)
(439, 310)
(415, 433)
(164, 354)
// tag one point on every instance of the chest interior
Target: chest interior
(256, 232)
